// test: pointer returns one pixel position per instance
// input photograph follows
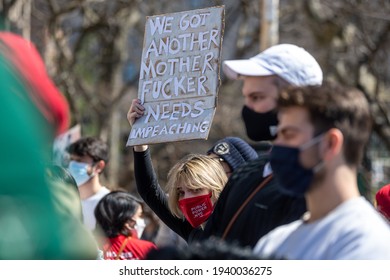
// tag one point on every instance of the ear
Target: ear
(100, 166)
(333, 143)
(129, 225)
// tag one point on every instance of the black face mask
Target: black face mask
(293, 178)
(260, 126)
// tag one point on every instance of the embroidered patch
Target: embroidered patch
(221, 148)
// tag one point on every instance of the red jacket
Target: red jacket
(134, 249)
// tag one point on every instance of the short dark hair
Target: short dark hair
(93, 147)
(114, 210)
(334, 106)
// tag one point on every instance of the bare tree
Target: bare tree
(92, 49)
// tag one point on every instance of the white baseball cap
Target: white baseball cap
(290, 62)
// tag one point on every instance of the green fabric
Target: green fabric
(31, 225)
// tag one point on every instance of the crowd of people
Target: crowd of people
(299, 199)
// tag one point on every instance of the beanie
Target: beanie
(383, 201)
(234, 151)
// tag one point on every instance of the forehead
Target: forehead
(183, 187)
(188, 183)
(294, 119)
(264, 85)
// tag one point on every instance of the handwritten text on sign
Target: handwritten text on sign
(179, 76)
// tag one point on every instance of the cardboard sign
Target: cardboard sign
(179, 76)
(61, 142)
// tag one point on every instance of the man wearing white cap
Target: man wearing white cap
(263, 75)
(252, 204)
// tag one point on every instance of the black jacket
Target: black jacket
(268, 209)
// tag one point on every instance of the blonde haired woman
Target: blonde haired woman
(194, 185)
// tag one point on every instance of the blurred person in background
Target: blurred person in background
(118, 214)
(60, 176)
(382, 201)
(33, 113)
(88, 158)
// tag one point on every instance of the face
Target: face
(260, 93)
(131, 224)
(225, 165)
(138, 213)
(294, 130)
(84, 159)
(93, 168)
(184, 192)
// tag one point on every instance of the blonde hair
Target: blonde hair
(195, 171)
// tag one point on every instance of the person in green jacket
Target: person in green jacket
(37, 219)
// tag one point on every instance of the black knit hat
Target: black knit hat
(234, 151)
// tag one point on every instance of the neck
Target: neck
(90, 188)
(338, 186)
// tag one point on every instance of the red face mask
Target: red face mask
(196, 209)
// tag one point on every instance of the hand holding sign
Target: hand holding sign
(135, 112)
(179, 77)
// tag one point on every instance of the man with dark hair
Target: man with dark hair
(251, 204)
(88, 158)
(322, 132)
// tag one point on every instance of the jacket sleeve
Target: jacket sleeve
(151, 192)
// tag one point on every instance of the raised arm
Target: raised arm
(135, 112)
(147, 182)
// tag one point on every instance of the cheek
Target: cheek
(187, 195)
(89, 170)
(203, 192)
(213, 200)
(309, 158)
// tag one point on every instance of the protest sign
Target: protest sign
(179, 76)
